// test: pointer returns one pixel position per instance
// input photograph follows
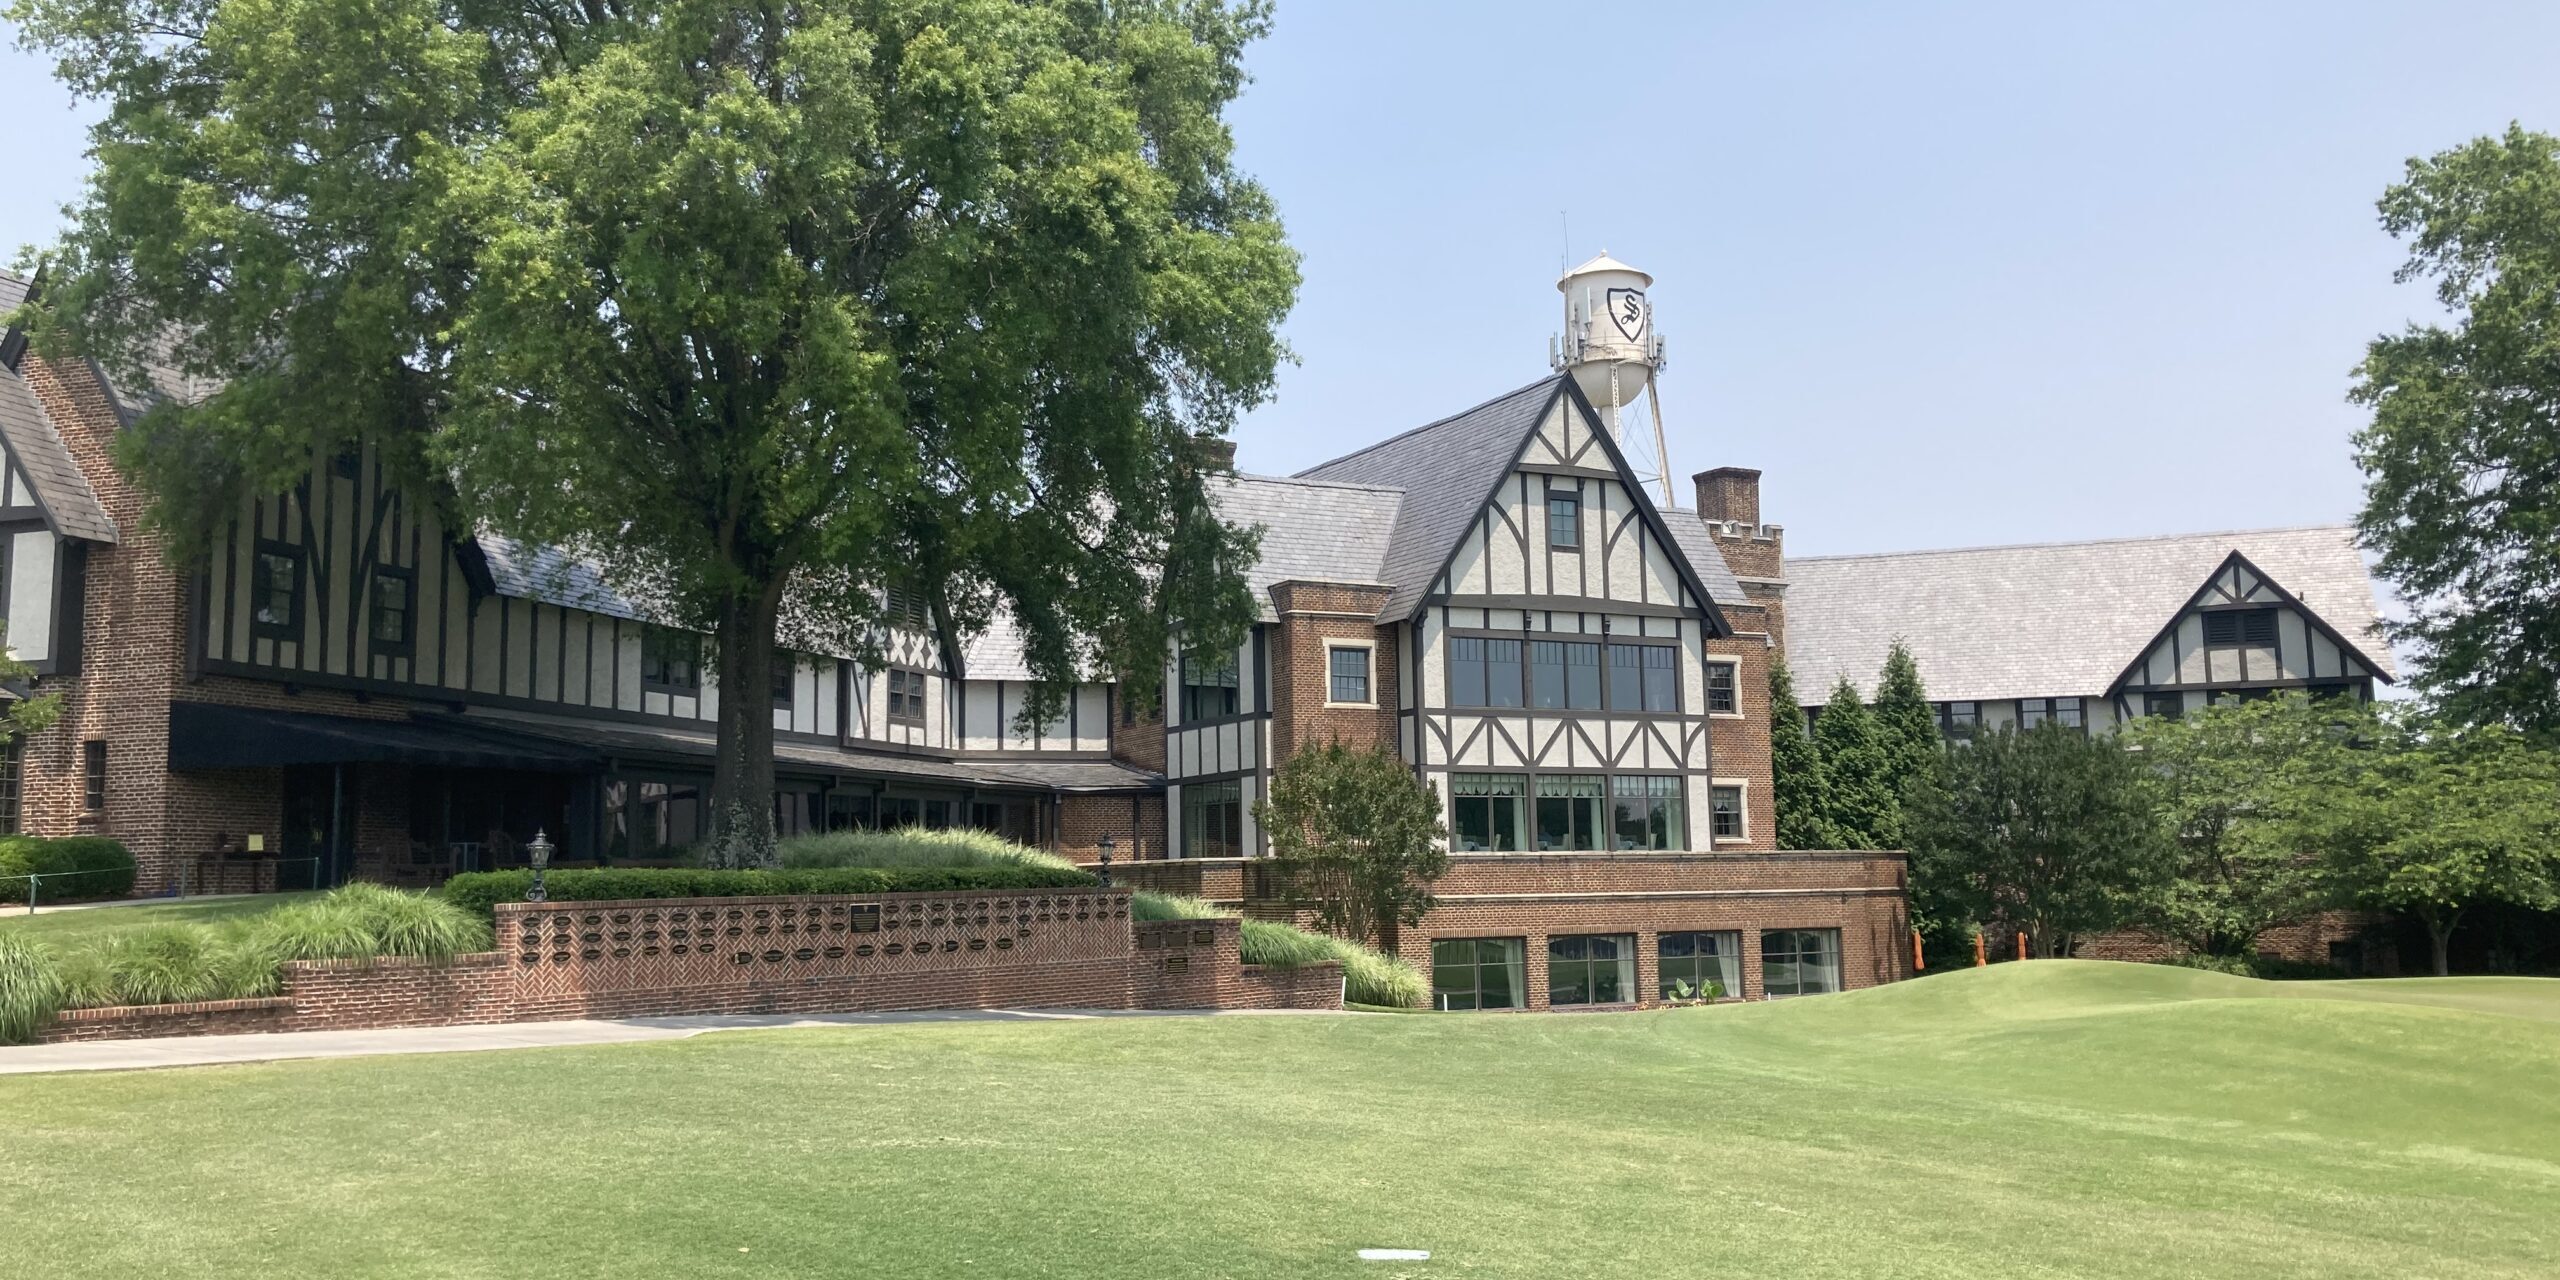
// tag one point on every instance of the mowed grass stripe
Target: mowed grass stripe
(2056, 1118)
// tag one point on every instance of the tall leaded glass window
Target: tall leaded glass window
(1564, 674)
(1485, 811)
(1564, 522)
(1213, 820)
(1347, 675)
(1569, 811)
(1209, 689)
(1645, 813)
(1484, 672)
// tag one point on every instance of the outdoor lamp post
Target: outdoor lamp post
(1106, 862)
(540, 852)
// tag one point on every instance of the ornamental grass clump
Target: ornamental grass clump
(1369, 977)
(164, 964)
(361, 921)
(31, 989)
(911, 847)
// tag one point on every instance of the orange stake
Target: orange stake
(1979, 959)
(2022, 946)
(1919, 961)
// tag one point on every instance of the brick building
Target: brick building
(349, 685)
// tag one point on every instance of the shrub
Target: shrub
(481, 891)
(2255, 965)
(72, 867)
(31, 989)
(911, 847)
(164, 964)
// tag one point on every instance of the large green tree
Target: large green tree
(2462, 458)
(1908, 728)
(2050, 831)
(1802, 796)
(1857, 771)
(2433, 819)
(1356, 840)
(764, 308)
(2233, 782)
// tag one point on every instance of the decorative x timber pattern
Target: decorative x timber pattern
(566, 948)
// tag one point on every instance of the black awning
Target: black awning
(205, 736)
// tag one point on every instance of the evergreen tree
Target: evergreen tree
(1909, 729)
(1795, 769)
(1856, 770)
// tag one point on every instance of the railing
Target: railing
(35, 880)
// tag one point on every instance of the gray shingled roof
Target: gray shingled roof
(529, 571)
(1689, 529)
(614, 737)
(31, 440)
(2048, 619)
(1447, 469)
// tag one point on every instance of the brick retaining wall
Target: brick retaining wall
(841, 953)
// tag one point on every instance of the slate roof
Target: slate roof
(29, 435)
(2042, 620)
(1689, 529)
(529, 571)
(1447, 470)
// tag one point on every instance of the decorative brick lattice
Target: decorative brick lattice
(572, 949)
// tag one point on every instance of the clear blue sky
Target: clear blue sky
(1948, 274)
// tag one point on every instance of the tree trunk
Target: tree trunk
(2440, 940)
(742, 763)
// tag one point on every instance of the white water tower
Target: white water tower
(1614, 355)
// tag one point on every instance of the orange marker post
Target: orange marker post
(1979, 959)
(2022, 946)
(1919, 961)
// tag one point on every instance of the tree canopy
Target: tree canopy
(2233, 783)
(2049, 831)
(1356, 838)
(1802, 796)
(1857, 771)
(2462, 457)
(1908, 727)
(764, 309)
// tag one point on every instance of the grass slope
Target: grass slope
(2049, 1119)
(65, 929)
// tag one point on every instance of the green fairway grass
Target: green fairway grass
(64, 929)
(2062, 1118)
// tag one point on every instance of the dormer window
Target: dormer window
(670, 661)
(905, 607)
(1564, 521)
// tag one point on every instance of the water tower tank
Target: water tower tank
(1608, 342)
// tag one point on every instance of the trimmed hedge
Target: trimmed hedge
(482, 891)
(72, 867)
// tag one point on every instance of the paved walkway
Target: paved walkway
(196, 1051)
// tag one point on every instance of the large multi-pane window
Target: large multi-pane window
(1644, 812)
(1485, 810)
(93, 775)
(1799, 962)
(1478, 973)
(1209, 689)
(1484, 672)
(275, 591)
(1347, 675)
(1569, 810)
(2061, 711)
(1564, 522)
(670, 661)
(1724, 698)
(2168, 706)
(906, 696)
(1959, 720)
(1591, 969)
(1644, 677)
(1213, 820)
(1564, 674)
(1699, 966)
(1724, 813)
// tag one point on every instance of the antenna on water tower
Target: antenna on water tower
(1614, 355)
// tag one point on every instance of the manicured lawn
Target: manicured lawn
(2048, 1119)
(65, 928)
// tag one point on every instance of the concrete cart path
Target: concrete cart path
(196, 1051)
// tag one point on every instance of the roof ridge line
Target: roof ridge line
(1359, 485)
(2078, 542)
(1436, 422)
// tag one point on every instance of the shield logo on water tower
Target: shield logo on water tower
(1630, 312)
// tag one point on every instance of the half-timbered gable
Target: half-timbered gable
(49, 517)
(2092, 634)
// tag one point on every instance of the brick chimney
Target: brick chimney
(1729, 504)
(1218, 453)
(1729, 495)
